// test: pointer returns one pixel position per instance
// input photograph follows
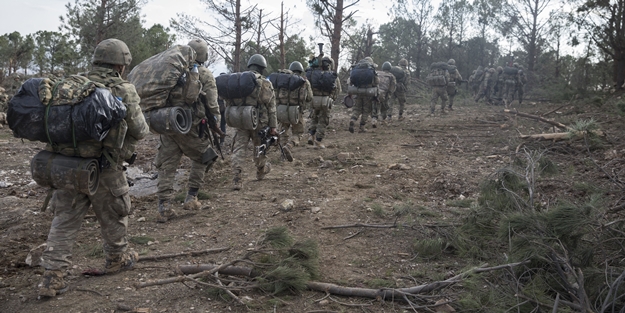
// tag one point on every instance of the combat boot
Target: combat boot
(296, 139)
(400, 118)
(362, 129)
(191, 202)
(351, 126)
(261, 172)
(52, 283)
(165, 212)
(237, 182)
(120, 262)
(318, 144)
(310, 139)
(287, 152)
(451, 109)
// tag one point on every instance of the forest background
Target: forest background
(567, 47)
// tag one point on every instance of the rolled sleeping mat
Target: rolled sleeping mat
(242, 117)
(57, 171)
(169, 120)
(288, 114)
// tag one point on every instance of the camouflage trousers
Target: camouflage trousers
(295, 129)
(508, 92)
(485, 91)
(363, 106)
(438, 92)
(519, 91)
(381, 107)
(400, 95)
(452, 91)
(111, 205)
(240, 151)
(319, 122)
(170, 152)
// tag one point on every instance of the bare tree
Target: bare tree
(528, 21)
(420, 12)
(329, 18)
(230, 24)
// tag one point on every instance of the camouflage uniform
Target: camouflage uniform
(363, 104)
(487, 85)
(297, 129)
(400, 91)
(320, 118)
(454, 78)
(111, 202)
(511, 82)
(266, 104)
(385, 92)
(520, 84)
(499, 85)
(439, 90)
(173, 147)
(193, 144)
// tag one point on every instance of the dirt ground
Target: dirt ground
(423, 164)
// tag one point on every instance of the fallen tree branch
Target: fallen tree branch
(174, 255)
(536, 117)
(562, 136)
(386, 294)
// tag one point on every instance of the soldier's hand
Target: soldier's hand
(273, 131)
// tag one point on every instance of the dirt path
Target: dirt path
(412, 172)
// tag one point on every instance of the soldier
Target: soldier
(499, 85)
(111, 202)
(486, 86)
(266, 103)
(454, 78)
(400, 91)
(437, 79)
(363, 104)
(511, 80)
(387, 87)
(4, 101)
(193, 144)
(320, 116)
(520, 83)
(222, 112)
(297, 129)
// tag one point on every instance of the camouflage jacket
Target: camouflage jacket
(388, 83)
(137, 128)
(454, 75)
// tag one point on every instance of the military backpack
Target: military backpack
(363, 75)
(438, 74)
(321, 80)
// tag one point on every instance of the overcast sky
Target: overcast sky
(30, 16)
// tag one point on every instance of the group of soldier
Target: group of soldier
(500, 86)
(320, 90)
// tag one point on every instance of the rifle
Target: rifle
(215, 131)
(266, 141)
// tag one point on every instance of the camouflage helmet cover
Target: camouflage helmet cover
(403, 62)
(386, 66)
(327, 60)
(491, 70)
(258, 60)
(296, 66)
(201, 49)
(111, 51)
(499, 69)
(451, 62)
(515, 65)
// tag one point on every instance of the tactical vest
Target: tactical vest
(438, 74)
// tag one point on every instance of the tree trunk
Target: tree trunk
(281, 37)
(236, 66)
(619, 68)
(335, 48)
(260, 28)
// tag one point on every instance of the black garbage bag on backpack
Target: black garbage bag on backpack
(286, 81)
(362, 75)
(321, 80)
(236, 85)
(92, 118)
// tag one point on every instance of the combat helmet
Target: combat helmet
(403, 62)
(257, 60)
(327, 61)
(386, 66)
(515, 65)
(499, 69)
(201, 50)
(451, 62)
(112, 51)
(296, 66)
